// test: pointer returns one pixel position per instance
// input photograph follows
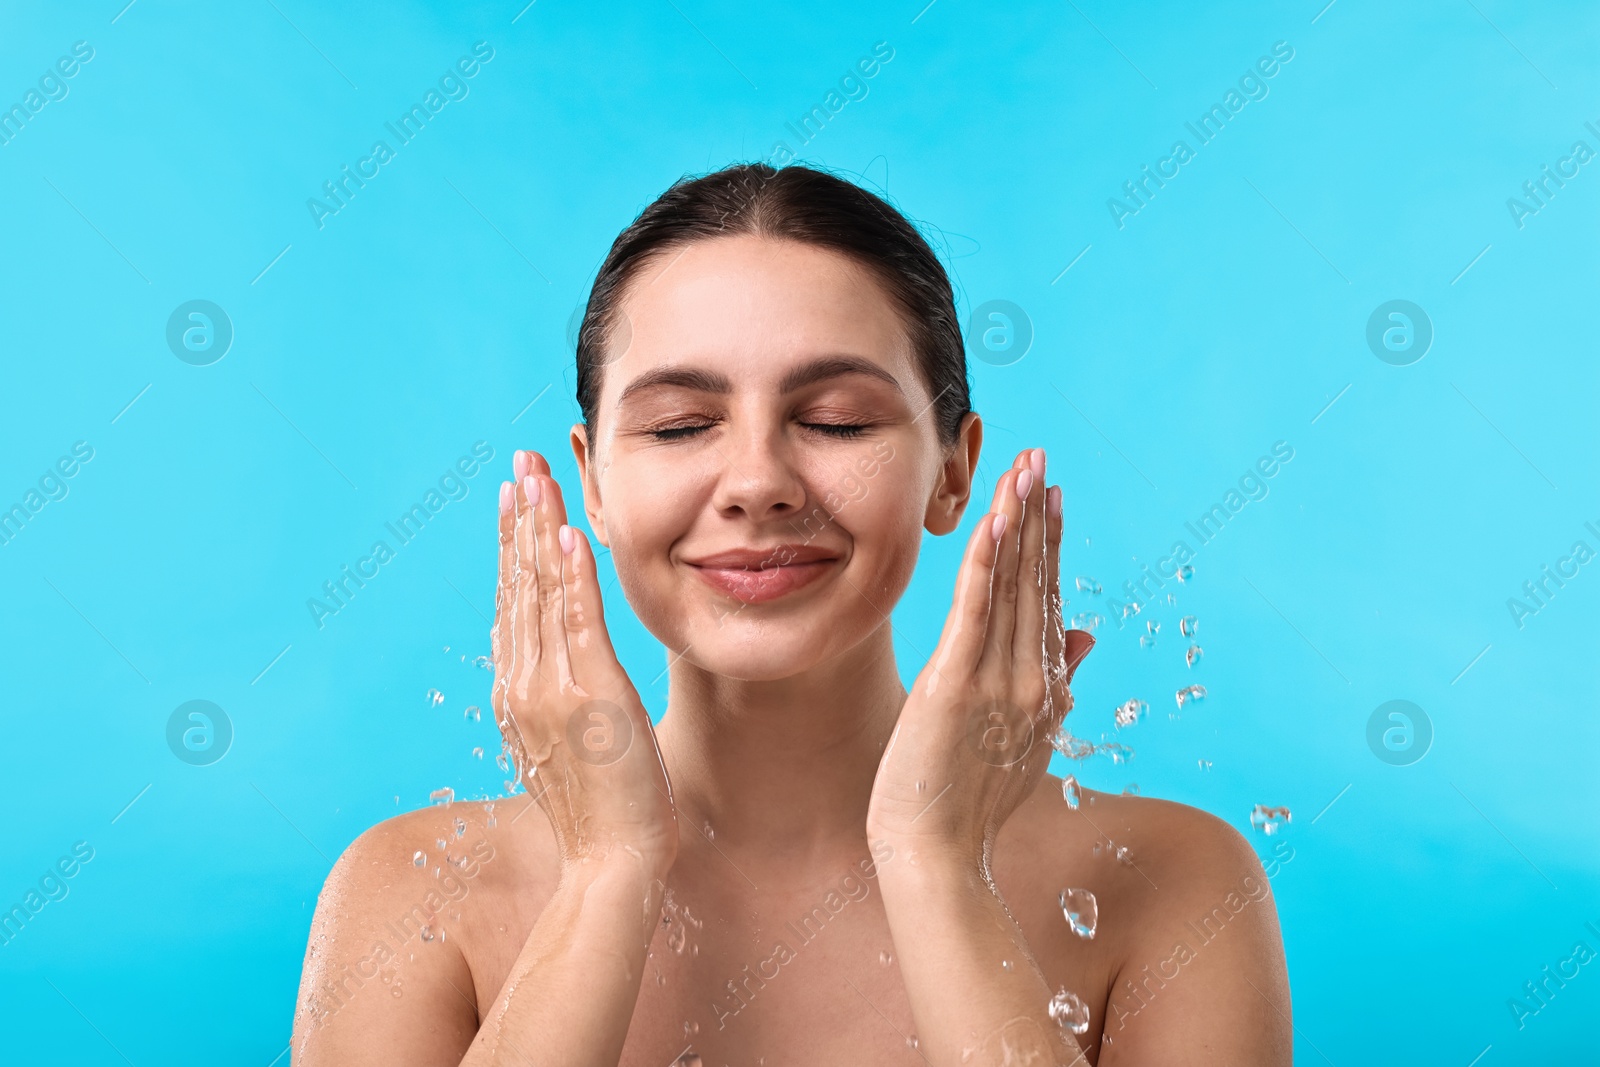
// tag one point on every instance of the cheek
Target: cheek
(885, 528)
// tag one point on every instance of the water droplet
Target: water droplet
(1005, 965)
(1188, 625)
(1191, 694)
(1205, 764)
(912, 1042)
(1185, 572)
(419, 859)
(1131, 789)
(441, 843)
(711, 835)
(1146, 641)
(1097, 848)
(1070, 1012)
(446, 794)
(677, 938)
(1194, 653)
(1153, 626)
(1071, 793)
(478, 751)
(1130, 609)
(501, 762)
(1086, 620)
(1124, 856)
(447, 648)
(474, 713)
(1081, 910)
(922, 786)
(485, 662)
(489, 811)
(1130, 712)
(688, 1059)
(690, 1028)
(427, 933)
(461, 827)
(1267, 820)
(1089, 585)
(886, 958)
(1171, 599)
(435, 698)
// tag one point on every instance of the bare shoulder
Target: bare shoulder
(386, 972)
(1187, 942)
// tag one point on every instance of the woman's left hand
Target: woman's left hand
(973, 738)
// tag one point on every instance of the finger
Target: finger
(955, 659)
(526, 648)
(1027, 648)
(594, 661)
(1003, 608)
(505, 586)
(549, 514)
(1053, 623)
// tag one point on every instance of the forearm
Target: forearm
(570, 995)
(955, 939)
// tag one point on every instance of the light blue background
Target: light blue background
(1226, 315)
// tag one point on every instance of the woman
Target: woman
(803, 863)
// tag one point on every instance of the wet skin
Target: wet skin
(796, 807)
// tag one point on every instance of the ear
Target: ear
(954, 487)
(591, 484)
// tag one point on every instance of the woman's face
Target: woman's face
(766, 456)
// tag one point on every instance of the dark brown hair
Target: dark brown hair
(796, 203)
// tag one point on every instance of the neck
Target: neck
(781, 768)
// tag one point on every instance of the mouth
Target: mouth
(754, 578)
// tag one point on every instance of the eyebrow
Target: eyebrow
(706, 381)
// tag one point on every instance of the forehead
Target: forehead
(752, 308)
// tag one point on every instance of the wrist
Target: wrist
(927, 860)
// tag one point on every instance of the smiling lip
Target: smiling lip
(755, 576)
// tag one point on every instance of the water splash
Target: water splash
(1188, 625)
(1146, 641)
(435, 698)
(447, 795)
(1153, 626)
(1071, 792)
(1194, 653)
(474, 713)
(1081, 911)
(1205, 764)
(1089, 585)
(477, 751)
(1191, 694)
(1130, 609)
(461, 826)
(1086, 620)
(1268, 820)
(419, 859)
(1131, 789)
(485, 662)
(1130, 712)
(1070, 1012)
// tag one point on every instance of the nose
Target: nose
(759, 477)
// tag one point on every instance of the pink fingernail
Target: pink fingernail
(564, 535)
(1038, 463)
(1024, 483)
(505, 496)
(530, 486)
(521, 464)
(999, 525)
(1052, 501)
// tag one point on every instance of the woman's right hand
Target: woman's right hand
(580, 737)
